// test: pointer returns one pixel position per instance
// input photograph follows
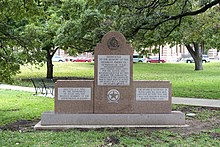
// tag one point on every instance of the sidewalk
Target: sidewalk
(175, 100)
(19, 88)
(196, 102)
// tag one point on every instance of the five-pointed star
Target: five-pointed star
(113, 95)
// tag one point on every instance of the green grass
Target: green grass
(185, 81)
(66, 69)
(17, 105)
(102, 137)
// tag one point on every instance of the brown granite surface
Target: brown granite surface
(152, 105)
(73, 106)
(113, 43)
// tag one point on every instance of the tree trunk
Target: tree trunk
(198, 63)
(51, 50)
(196, 54)
(159, 55)
(49, 66)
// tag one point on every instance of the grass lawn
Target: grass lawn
(185, 81)
(109, 137)
(16, 106)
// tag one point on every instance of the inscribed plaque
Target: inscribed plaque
(74, 93)
(152, 94)
(114, 70)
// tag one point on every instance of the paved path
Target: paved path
(20, 88)
(196, 102)
(175, 100)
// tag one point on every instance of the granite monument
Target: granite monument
(113, 98)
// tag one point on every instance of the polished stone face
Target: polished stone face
(113, 75)
(74, 96)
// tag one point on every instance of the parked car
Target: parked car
(69, 59)
(82, 59)
(205, 58)
(138, 58)
(58, 59)
(155, 60)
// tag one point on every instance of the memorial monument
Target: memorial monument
(112, 99)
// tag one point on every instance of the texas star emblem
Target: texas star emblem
(113, 96)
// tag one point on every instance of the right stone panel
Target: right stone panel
(152, 97)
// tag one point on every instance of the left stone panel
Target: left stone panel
(74, 96)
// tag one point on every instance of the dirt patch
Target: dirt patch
(196, 126)
(21, 125)
(10, 110)
(111, 141)
(205, 119)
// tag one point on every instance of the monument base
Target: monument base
(50, 120)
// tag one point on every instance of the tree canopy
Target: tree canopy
(31, 31)
(15, 50)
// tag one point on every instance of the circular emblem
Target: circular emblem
(113, 43)
(113, 96)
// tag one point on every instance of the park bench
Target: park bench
(43, 86)
(49, 86)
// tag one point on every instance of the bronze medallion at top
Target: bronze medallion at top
(113, 44)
